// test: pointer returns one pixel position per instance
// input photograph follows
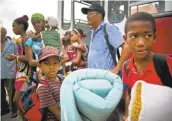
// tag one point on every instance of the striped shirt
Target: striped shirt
(48, 96)
(99, 56)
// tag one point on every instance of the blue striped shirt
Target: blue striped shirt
(8, 67)
(99, 56)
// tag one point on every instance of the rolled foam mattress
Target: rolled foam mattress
(89, 95)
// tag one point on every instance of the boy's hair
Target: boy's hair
(140, 16)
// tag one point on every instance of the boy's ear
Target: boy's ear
(125, 37)
(100, 15)
(155, 36)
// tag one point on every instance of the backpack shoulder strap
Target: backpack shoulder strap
(43, 82)
(109, 45)
(162, 69)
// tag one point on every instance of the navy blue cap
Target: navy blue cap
(94, 7)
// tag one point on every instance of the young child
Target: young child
(49, 63)
(78, 50)
(140, 30)
(50, 36)
(66, 63)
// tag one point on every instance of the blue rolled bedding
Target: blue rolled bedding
(89, 95)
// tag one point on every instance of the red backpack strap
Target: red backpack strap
(44, 82)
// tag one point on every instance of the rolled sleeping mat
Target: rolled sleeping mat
(150, 102)
(89, 95)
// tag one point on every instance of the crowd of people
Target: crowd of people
(44, 53)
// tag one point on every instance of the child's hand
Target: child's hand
(11, 57)
(33, 36)
(71, 47)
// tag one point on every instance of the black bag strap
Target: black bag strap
(110, 46)
(162, 69)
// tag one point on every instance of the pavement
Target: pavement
(7, 117)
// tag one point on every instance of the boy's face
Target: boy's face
(50, 67)
(140, 38)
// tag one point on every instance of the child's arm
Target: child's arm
(80, 46)
(76, 61)
(83, 63)
(29, 54)
(128, 91)
(127, 102)
(55, 110)
(22, 58)
(36, 36)
(65, 59)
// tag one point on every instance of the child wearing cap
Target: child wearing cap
(49, 63)
(50, 36)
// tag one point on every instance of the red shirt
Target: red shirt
(149, 73)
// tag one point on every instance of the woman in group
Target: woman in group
(34, 46)
(20, 26)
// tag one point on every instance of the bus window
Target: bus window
(152, 7)
(66, 14)
(115, 11)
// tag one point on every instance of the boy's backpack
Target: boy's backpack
(161, 68)
(29, 103)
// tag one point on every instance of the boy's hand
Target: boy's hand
(115, 70)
